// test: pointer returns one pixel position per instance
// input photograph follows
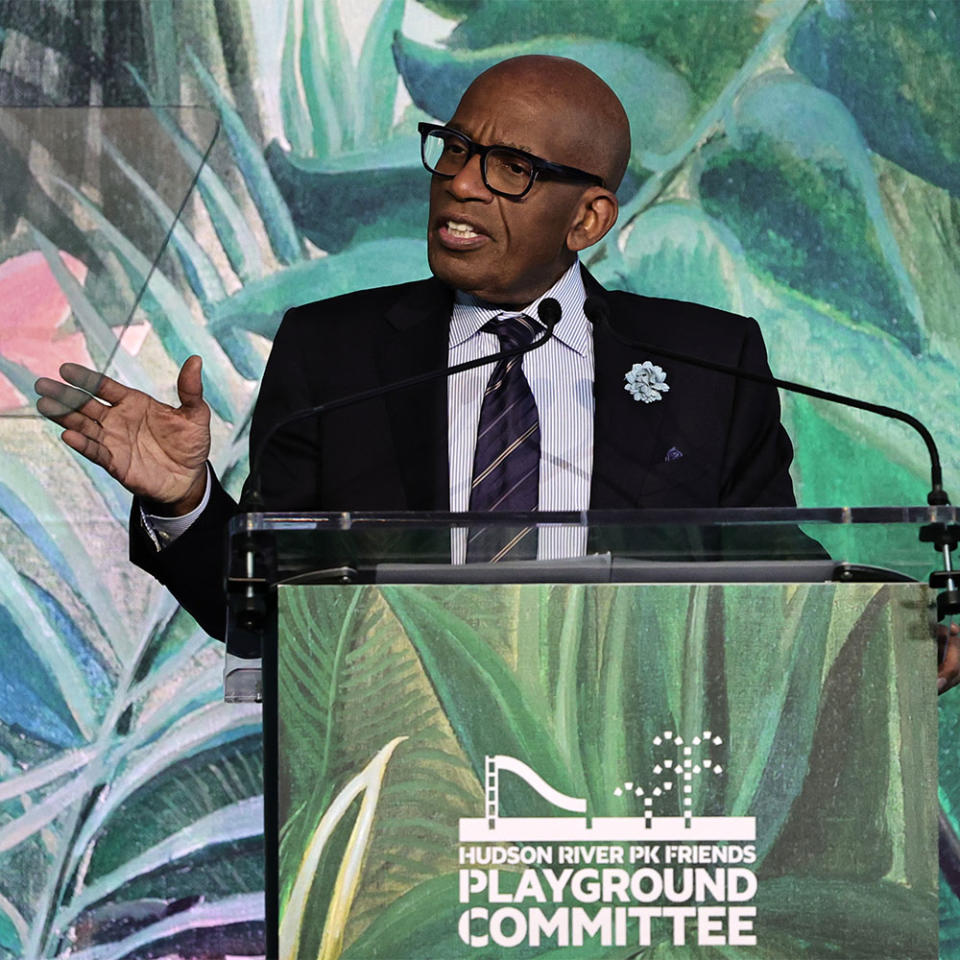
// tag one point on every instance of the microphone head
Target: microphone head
(549, 312)
(595, 310)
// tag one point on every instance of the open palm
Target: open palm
(155, 450)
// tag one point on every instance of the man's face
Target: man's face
(505, 251)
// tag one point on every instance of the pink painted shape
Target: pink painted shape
(32, 310)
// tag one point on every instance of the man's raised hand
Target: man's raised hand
(948, 639)
(156, 451)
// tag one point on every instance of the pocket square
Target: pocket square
(674, 453)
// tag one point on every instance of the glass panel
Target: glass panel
(89, 199)
(759, 545)
(357, 544)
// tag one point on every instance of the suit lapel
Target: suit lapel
(627, 433)
(415, 341)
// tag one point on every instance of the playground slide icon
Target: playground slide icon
(675, 774)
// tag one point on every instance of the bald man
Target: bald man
(523, 178)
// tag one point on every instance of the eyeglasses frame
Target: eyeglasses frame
(539, 165)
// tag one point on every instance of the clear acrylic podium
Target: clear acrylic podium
(722, 724)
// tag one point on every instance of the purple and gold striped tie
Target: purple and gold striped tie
(506, 462)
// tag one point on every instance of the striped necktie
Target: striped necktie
(506, 461)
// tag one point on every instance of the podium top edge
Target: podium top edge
(277, 521)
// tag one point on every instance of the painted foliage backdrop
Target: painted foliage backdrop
(794, 160)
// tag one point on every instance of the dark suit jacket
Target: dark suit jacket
(391, 453)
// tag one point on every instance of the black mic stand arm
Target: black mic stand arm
(247, 609)
(943, 536)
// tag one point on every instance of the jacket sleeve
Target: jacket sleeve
(192, 567)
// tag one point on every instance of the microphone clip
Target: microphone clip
(944, 537)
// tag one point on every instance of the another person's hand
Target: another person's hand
(156, 451)
(948, 639)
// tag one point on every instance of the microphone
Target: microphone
(548, 312)
(247, 610)
(597, 313)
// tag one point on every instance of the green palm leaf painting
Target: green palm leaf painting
(816, 734)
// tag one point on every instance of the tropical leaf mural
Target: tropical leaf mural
(579, 683)
(794, 161)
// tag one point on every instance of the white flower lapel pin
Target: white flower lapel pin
(646, 381)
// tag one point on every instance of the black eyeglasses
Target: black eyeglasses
(505, 171)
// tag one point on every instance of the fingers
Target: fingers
(57, 401)
(87, 447)
(948, 675)
(76, 422)
(98, 384)
(83, 429)
(190, 383)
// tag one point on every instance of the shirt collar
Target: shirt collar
(573, 330)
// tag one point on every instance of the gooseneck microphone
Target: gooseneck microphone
(597, 313)
(548, 313)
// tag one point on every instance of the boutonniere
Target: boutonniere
(646, 381)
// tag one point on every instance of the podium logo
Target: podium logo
(659, 876)
(674, 774)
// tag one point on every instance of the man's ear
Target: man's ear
(595, 215)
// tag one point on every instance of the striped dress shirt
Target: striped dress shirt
(560, 375)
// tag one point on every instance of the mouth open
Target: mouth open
(459, 235)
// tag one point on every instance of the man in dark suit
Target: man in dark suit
(524, 179)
